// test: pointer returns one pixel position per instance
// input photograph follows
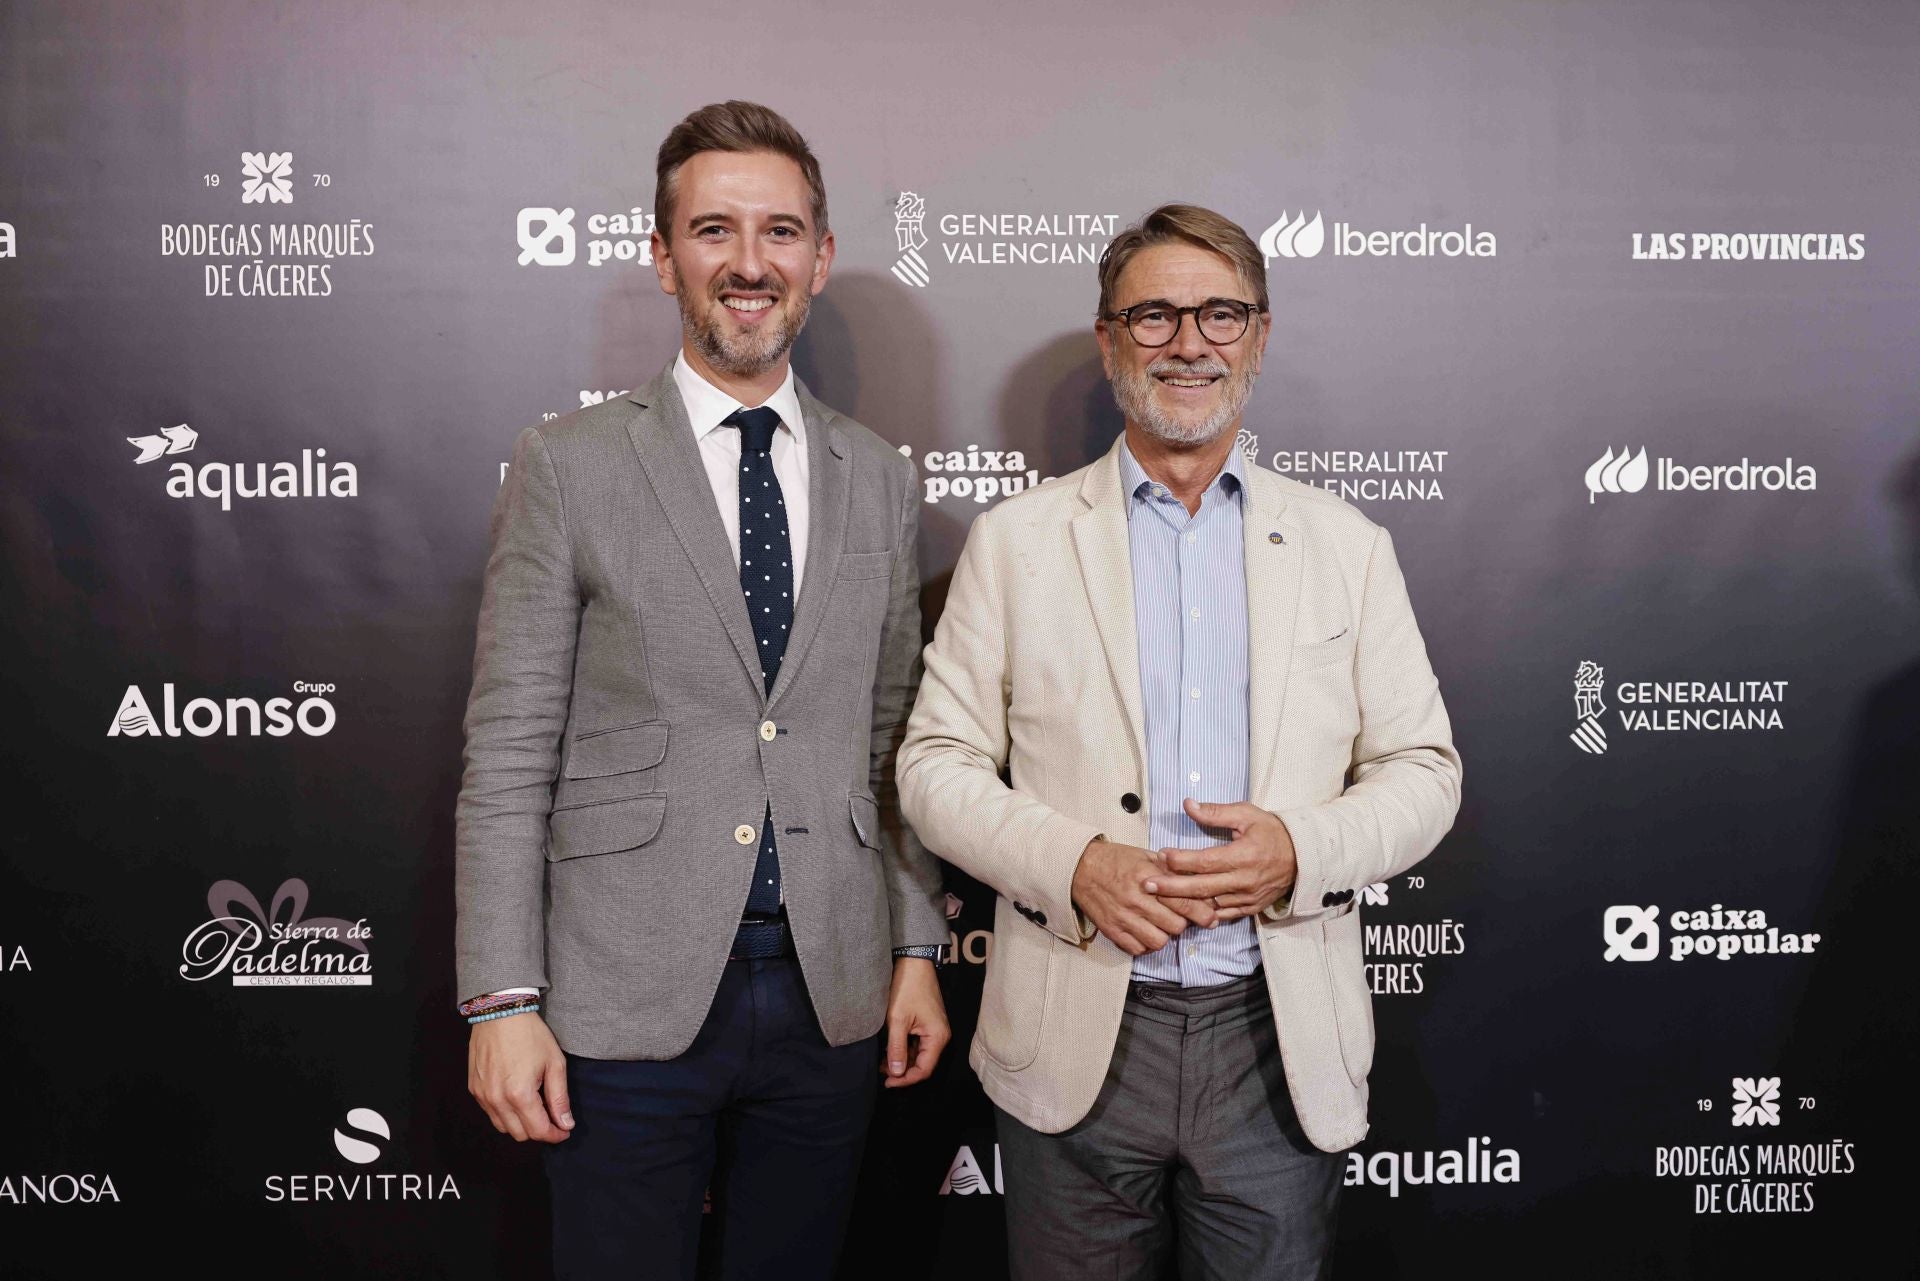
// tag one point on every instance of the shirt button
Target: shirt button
(1194, 777)
(767, 731)
(1193, 538)
(1194, 612)
(744, 834)
(1195, 692)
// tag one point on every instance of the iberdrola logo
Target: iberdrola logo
(1626, 474)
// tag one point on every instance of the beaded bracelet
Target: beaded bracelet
(505, 1014)
(496, 1001)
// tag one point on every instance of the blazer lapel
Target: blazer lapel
(829, 499)
(669, 454)
(1106, 567)
(1273, 599)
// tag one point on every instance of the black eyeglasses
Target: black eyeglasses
(1154, 323)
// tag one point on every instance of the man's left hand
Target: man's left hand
(1241, 878)
(917, 1027)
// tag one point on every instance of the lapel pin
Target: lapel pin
(1276, 538)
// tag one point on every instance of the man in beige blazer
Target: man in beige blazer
(1217, 716)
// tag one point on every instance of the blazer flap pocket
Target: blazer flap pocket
(866, 819)
(854, 565)
(618, 751)
(604, 826)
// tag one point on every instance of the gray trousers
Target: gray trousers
(1191, 1153)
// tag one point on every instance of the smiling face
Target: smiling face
(1191, 390)
(743, 258)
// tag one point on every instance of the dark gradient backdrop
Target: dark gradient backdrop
(345, 228)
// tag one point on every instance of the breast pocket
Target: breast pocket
(858, 565)
(1324, 653)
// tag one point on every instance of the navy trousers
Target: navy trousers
(759, 1109)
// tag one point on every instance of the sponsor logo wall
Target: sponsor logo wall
(1640, 1014)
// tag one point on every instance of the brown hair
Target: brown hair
(740, 127)
(1186, 224)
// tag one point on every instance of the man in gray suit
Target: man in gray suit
(687, 901)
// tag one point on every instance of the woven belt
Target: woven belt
(760, 939)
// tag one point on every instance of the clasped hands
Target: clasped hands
(1141, 898)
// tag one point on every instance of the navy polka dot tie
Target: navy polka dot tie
(766, 579)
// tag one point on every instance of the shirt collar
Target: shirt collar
(708, 406)
(1232, 478)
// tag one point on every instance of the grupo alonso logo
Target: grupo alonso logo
(231, 718)
(277, 946)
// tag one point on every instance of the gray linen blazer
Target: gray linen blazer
(619, 738)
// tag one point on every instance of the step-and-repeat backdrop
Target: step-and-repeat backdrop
(1607, 310)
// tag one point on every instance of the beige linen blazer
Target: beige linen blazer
(1033, 670)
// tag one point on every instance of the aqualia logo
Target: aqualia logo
(314, 476)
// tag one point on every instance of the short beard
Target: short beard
(745, 355)
(1133, 392)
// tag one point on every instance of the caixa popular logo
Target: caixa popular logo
(224, 717)
(276, 946)
(363, 1141)
(314, 475)
(981, 475)
(1633, 933)
(547, 237)
(57, 1189)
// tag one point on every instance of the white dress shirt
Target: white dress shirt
(706, 406)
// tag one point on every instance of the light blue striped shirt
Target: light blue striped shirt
(1190, 621)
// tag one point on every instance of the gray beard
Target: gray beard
(746, 356)
(1133, 393)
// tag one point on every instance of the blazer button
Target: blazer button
(744, 834)
(767, 730)
(1130, 803)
